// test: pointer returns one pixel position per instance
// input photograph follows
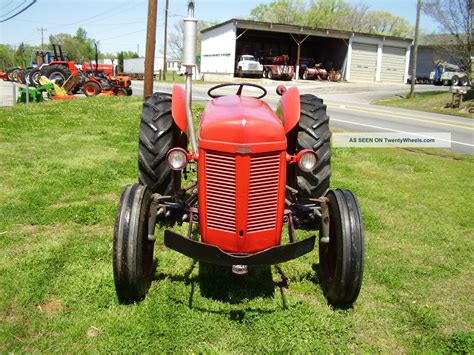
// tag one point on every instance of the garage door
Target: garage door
(363, 62)
(393, 65)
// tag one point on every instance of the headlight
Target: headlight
(177, 158)
(307, 160)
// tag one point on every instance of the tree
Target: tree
(77, 48)
(280, 11)
(124, 55)
(454, 17)
(176, 38)
(22, 55)
(332, 14)
(7, 57)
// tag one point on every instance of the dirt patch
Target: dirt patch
(92, 332)
(52, 307)
(109, 197)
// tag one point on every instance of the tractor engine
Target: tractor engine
(241, 174)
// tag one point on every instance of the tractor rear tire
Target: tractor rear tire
(341, 261)
(158, 134)
(312, 132)
(57, 72)
(91, 89)
(132, 251)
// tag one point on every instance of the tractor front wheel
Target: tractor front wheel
(341, 261)
(133, 252)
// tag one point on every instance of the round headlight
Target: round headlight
(307, 160)
(177, 158)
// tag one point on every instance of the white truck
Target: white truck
(448, 74)
(248, 65)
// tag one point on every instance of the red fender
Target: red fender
(289, 108)
(178, 108)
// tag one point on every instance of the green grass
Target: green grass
(63, 165)
(431, 101)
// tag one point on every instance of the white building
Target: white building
(360, 57)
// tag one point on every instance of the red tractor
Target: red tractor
(258, 173)
(278, 68)
(101, 79)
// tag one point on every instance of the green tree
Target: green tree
(7, 57)
(124, 55)
(332, 14)
(280, 11)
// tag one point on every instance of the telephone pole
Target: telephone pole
(166, 39)
(415, 51)
(150, 49)
(42, 33)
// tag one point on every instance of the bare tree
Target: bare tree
(455, 18)
(176, 38)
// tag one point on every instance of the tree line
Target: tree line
(78, 48)
(332, 14)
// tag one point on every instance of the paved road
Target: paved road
(350, 109)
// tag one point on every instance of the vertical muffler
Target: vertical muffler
(189, 61)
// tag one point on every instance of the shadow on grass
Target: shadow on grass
(218, 283)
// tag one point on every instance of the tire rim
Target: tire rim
(90, 90)
(57, 76)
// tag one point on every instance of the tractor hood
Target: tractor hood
(242, 125)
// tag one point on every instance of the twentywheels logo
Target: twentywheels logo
(392, 139)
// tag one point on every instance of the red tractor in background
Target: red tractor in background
(258, 173)
(101, 79)
(278, 68)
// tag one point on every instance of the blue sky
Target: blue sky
(120, 24)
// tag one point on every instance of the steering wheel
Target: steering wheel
(239, 91)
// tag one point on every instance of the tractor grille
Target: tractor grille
(263, 192)
(220, 191)
(253, 66)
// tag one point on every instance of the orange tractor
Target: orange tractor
(101, 80)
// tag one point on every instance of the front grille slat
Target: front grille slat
(220, 191)
(263, 192)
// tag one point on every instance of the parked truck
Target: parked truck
(278, 68)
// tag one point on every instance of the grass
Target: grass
(63, 165)
(431, 101)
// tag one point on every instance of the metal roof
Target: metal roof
(296, 29)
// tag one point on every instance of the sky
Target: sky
(121, 25)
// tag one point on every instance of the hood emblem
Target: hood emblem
(244, 122)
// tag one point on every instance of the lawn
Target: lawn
(63, 166)
(431, 101)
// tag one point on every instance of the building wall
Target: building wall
(218, 51)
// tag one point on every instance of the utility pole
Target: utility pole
(166, 39)
(42, 33)
(138, 49)
(150, 49)
(415, 51)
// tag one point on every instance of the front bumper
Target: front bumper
(214, 255)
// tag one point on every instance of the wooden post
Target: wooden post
(150, 49)
(165, 40)
(297, 69)
(415, 51)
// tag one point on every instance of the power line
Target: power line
(5, 6)
(19, 12)
(9, 12)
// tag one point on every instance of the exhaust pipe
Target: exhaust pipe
(189, 61)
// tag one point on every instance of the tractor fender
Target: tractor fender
(178, 108)
(289, 108)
